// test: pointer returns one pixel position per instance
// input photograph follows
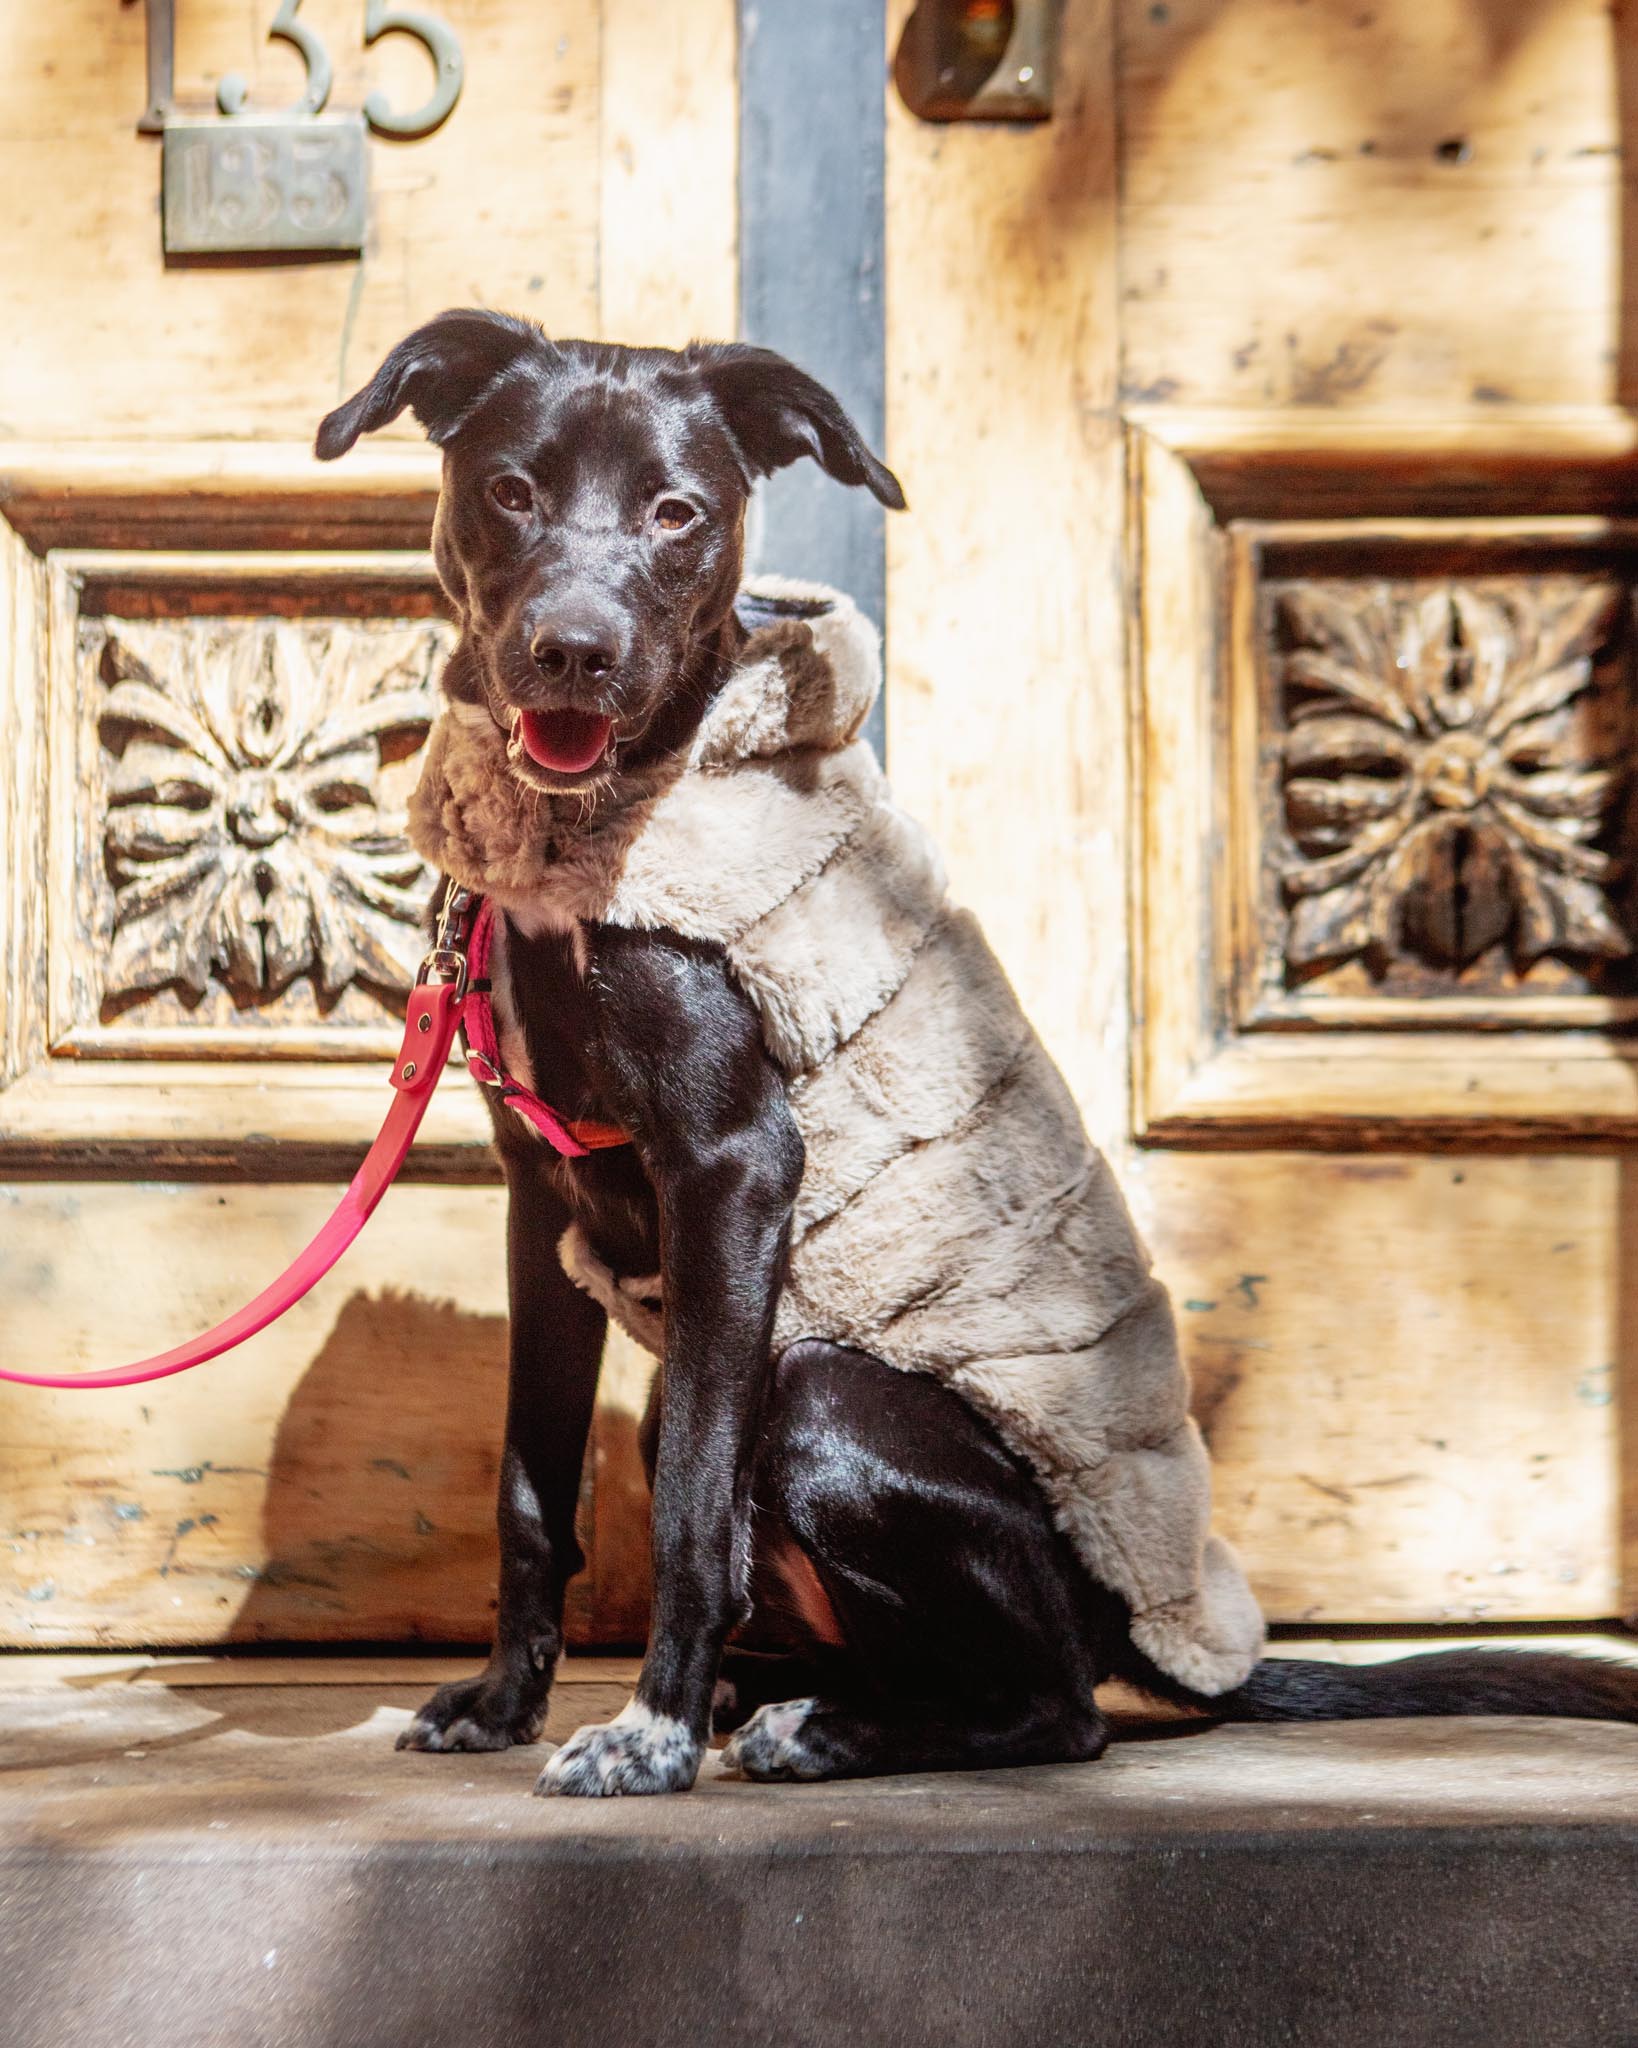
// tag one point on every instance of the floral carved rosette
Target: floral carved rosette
(248, 838)
(1453, 771)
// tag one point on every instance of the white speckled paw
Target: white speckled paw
(770, 1745)
(636, 1752)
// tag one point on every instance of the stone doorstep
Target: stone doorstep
(230, 1851)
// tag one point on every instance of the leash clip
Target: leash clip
(445, 960)
(441, 965)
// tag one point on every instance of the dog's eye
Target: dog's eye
(671, 515)
(512, 493)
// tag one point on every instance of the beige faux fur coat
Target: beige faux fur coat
(954, 1217)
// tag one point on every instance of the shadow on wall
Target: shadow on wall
(378, 1521)
(607, 1605)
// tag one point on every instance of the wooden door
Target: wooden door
(1267, 661)
(218, 665)
(1260, 646)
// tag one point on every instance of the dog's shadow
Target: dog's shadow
(377, 1530)
(378, 1515)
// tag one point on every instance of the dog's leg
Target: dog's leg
(725, 1160)
(556, 1346)
(972, 1637)
(749, 1679)
(822, 1738)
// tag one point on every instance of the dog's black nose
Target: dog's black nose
(565, 653)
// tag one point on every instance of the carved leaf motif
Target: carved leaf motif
(1329, 926)
(1548, 842)
(1326, 816)
(249, 838)
(1454, 758)
(1331, 654)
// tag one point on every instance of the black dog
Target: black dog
(906, 1596)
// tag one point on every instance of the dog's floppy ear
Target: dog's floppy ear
(440, 371)
(778, 413)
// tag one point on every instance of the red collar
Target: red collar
(574, 1137)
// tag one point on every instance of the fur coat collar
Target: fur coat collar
(954, 1217)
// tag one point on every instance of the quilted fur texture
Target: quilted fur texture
(954, 1217)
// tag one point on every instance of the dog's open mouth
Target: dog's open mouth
(567, 742)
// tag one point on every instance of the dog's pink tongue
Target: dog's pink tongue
(569, 741)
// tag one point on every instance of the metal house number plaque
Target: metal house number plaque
(264, 184)
(296, 181)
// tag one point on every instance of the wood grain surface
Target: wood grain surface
(1270, 265)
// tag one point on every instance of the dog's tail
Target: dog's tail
(1565, 1686)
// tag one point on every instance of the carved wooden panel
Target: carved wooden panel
(229, 872)
(1446, 806)
(218, 880)
(242, 821)
(1388, 835)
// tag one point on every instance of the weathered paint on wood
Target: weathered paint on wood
(1006, 687)
(1268, 261)
(1413, 1369)
(1409, 1372)
(1411, 206)
(587, 178)
(500, 207)
(333, 1478)
(23, 810)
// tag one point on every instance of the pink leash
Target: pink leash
(442, 997)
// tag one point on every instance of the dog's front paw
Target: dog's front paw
(637, 1751)
(477, 1713)
(771, 1744)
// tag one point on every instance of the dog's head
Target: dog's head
(590, 528)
